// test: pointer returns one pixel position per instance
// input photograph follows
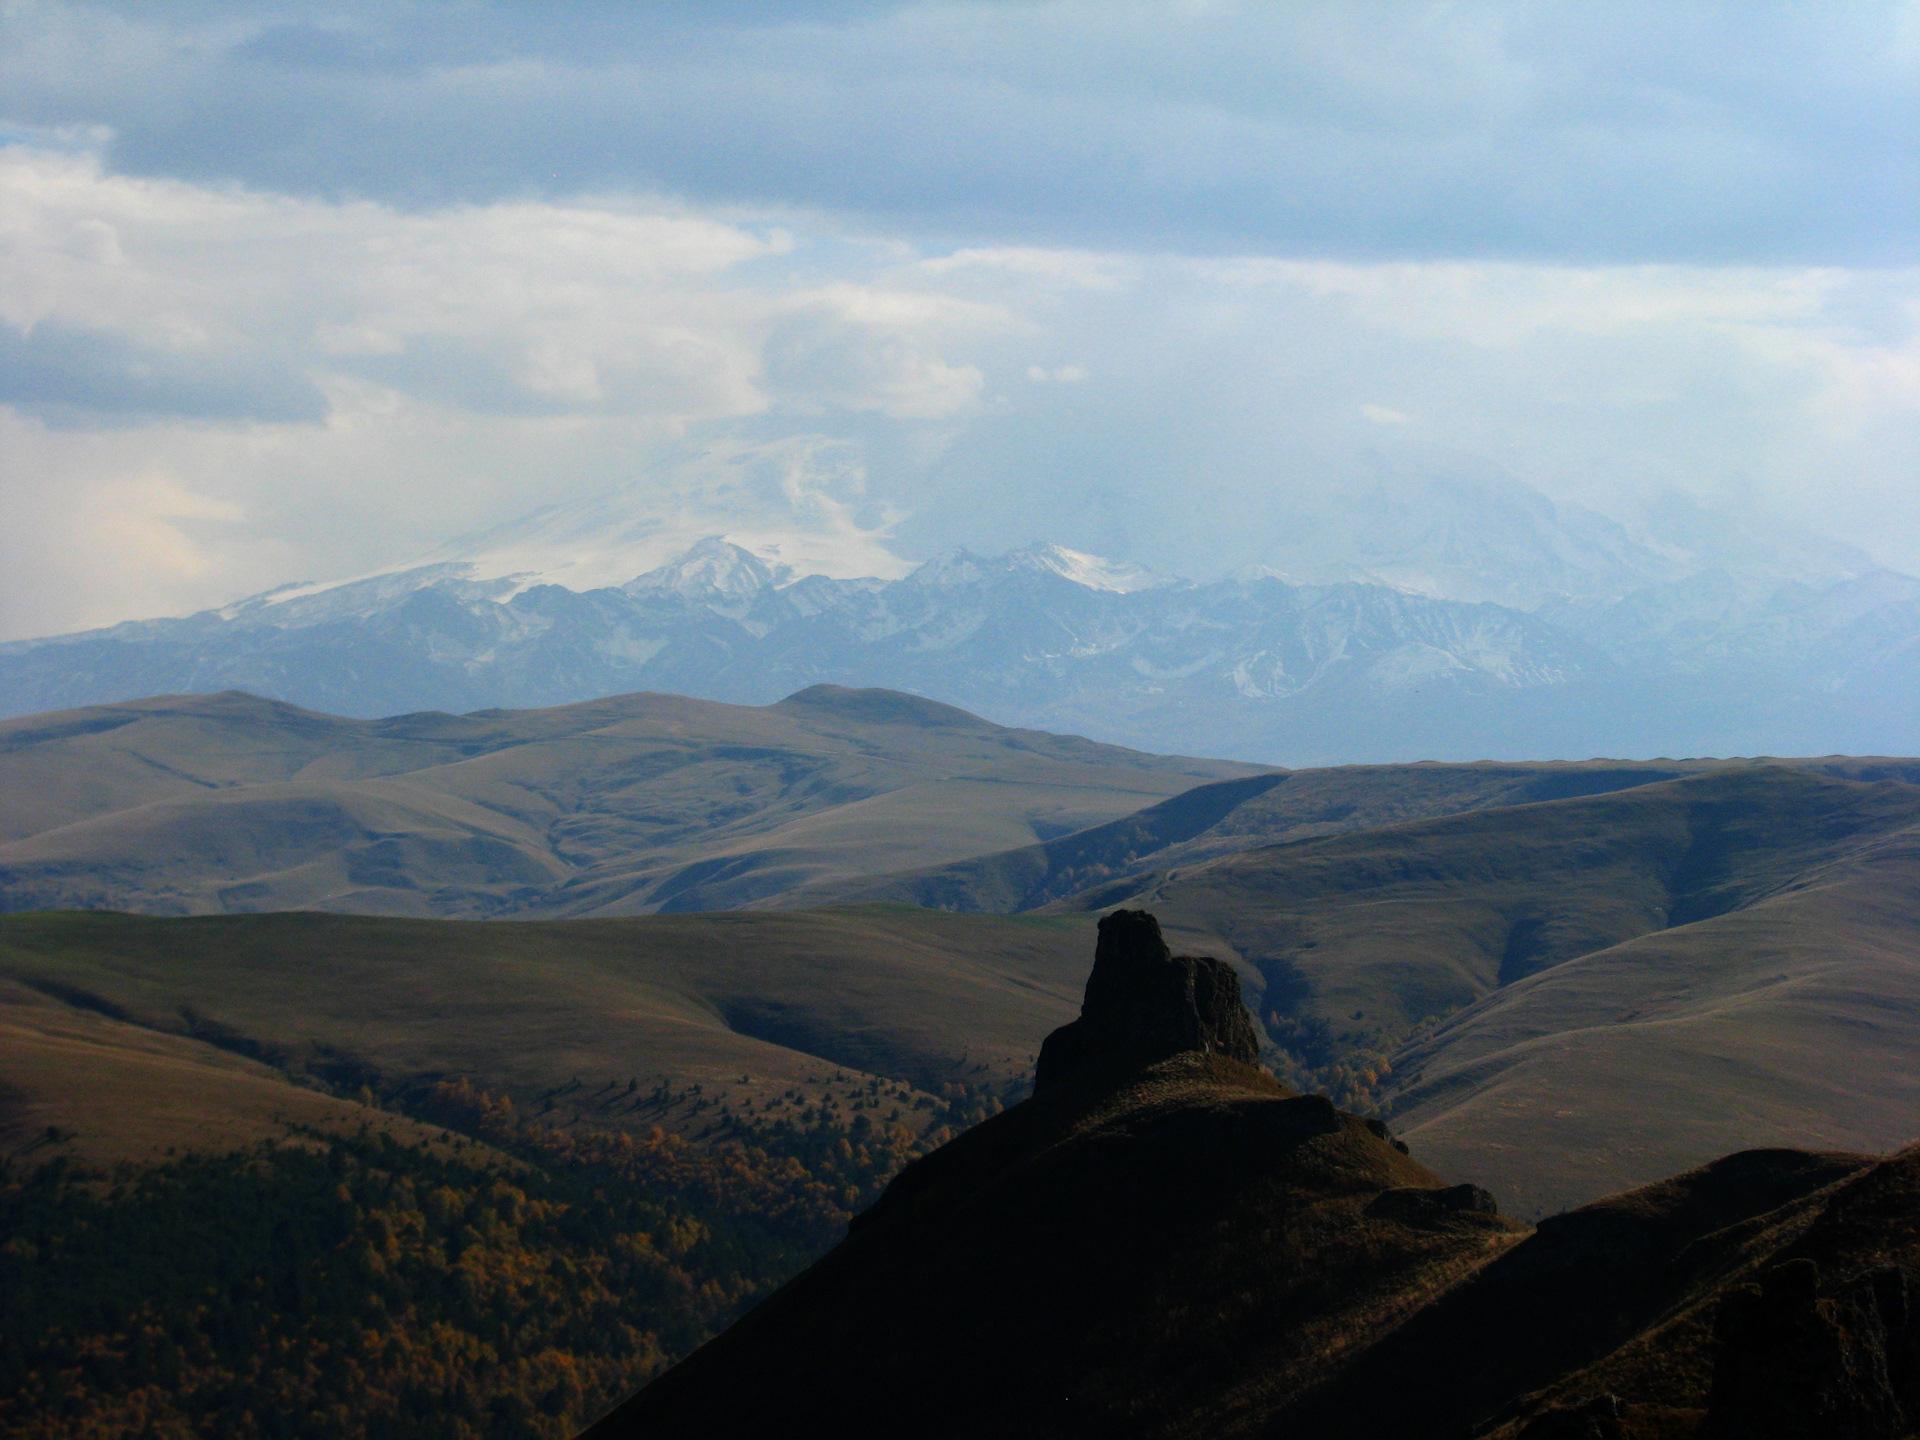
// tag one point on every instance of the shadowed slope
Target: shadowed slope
(1175, 1246)
(1229, 815)
(1095, 1261)
(1789, 1021)
(1226, 816)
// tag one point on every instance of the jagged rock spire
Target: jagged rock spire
(1144, 1004)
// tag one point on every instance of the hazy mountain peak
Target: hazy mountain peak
(950, 568)
(1472, 535)
(958, 567)
(715, 572)
(1096, 572)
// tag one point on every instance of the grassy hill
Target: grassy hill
(1564, 999)
(78, 1084)
(582, 1021)
(1557, 999)
(1229, 815)
(1790, 1020)
(634, 804)
(1225, 816)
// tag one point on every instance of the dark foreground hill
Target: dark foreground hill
(1164, 1241)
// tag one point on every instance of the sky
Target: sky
(292, 292)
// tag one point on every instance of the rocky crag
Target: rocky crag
(1163, 1241)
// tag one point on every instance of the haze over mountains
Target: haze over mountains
(1449, 618)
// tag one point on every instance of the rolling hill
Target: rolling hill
(87, 1086)
(1564, 997)
(635, 804)
(580, 1021)
(1229, 815)
(1573, 997)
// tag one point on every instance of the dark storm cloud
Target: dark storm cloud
(1712, 133)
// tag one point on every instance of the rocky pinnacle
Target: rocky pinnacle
(1144, 1004)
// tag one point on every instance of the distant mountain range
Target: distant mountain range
(1454, 620)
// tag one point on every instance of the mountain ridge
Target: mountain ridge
(1333, 662)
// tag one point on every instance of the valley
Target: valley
(822, 939)
(1562, 980)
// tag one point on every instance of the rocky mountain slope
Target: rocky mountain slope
(1163, 1241)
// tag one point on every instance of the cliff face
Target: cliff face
(1165, 1242)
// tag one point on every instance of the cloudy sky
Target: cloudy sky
(291, 292)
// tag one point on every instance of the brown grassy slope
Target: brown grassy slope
(1404, 921)
(1225, 816)
(525, 1007)
(1796, 1032)
(1187, 1254)
(228, 803)
(1240, 814)
(83, 1085)
(1790, 1021)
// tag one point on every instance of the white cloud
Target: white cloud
(510, 307)
(215, 390)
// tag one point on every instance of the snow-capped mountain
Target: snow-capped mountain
(1451, 615)
(1256, 667)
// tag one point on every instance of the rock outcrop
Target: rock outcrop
(1104, 1259)
(1144, 1004)
(1166, 1243)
